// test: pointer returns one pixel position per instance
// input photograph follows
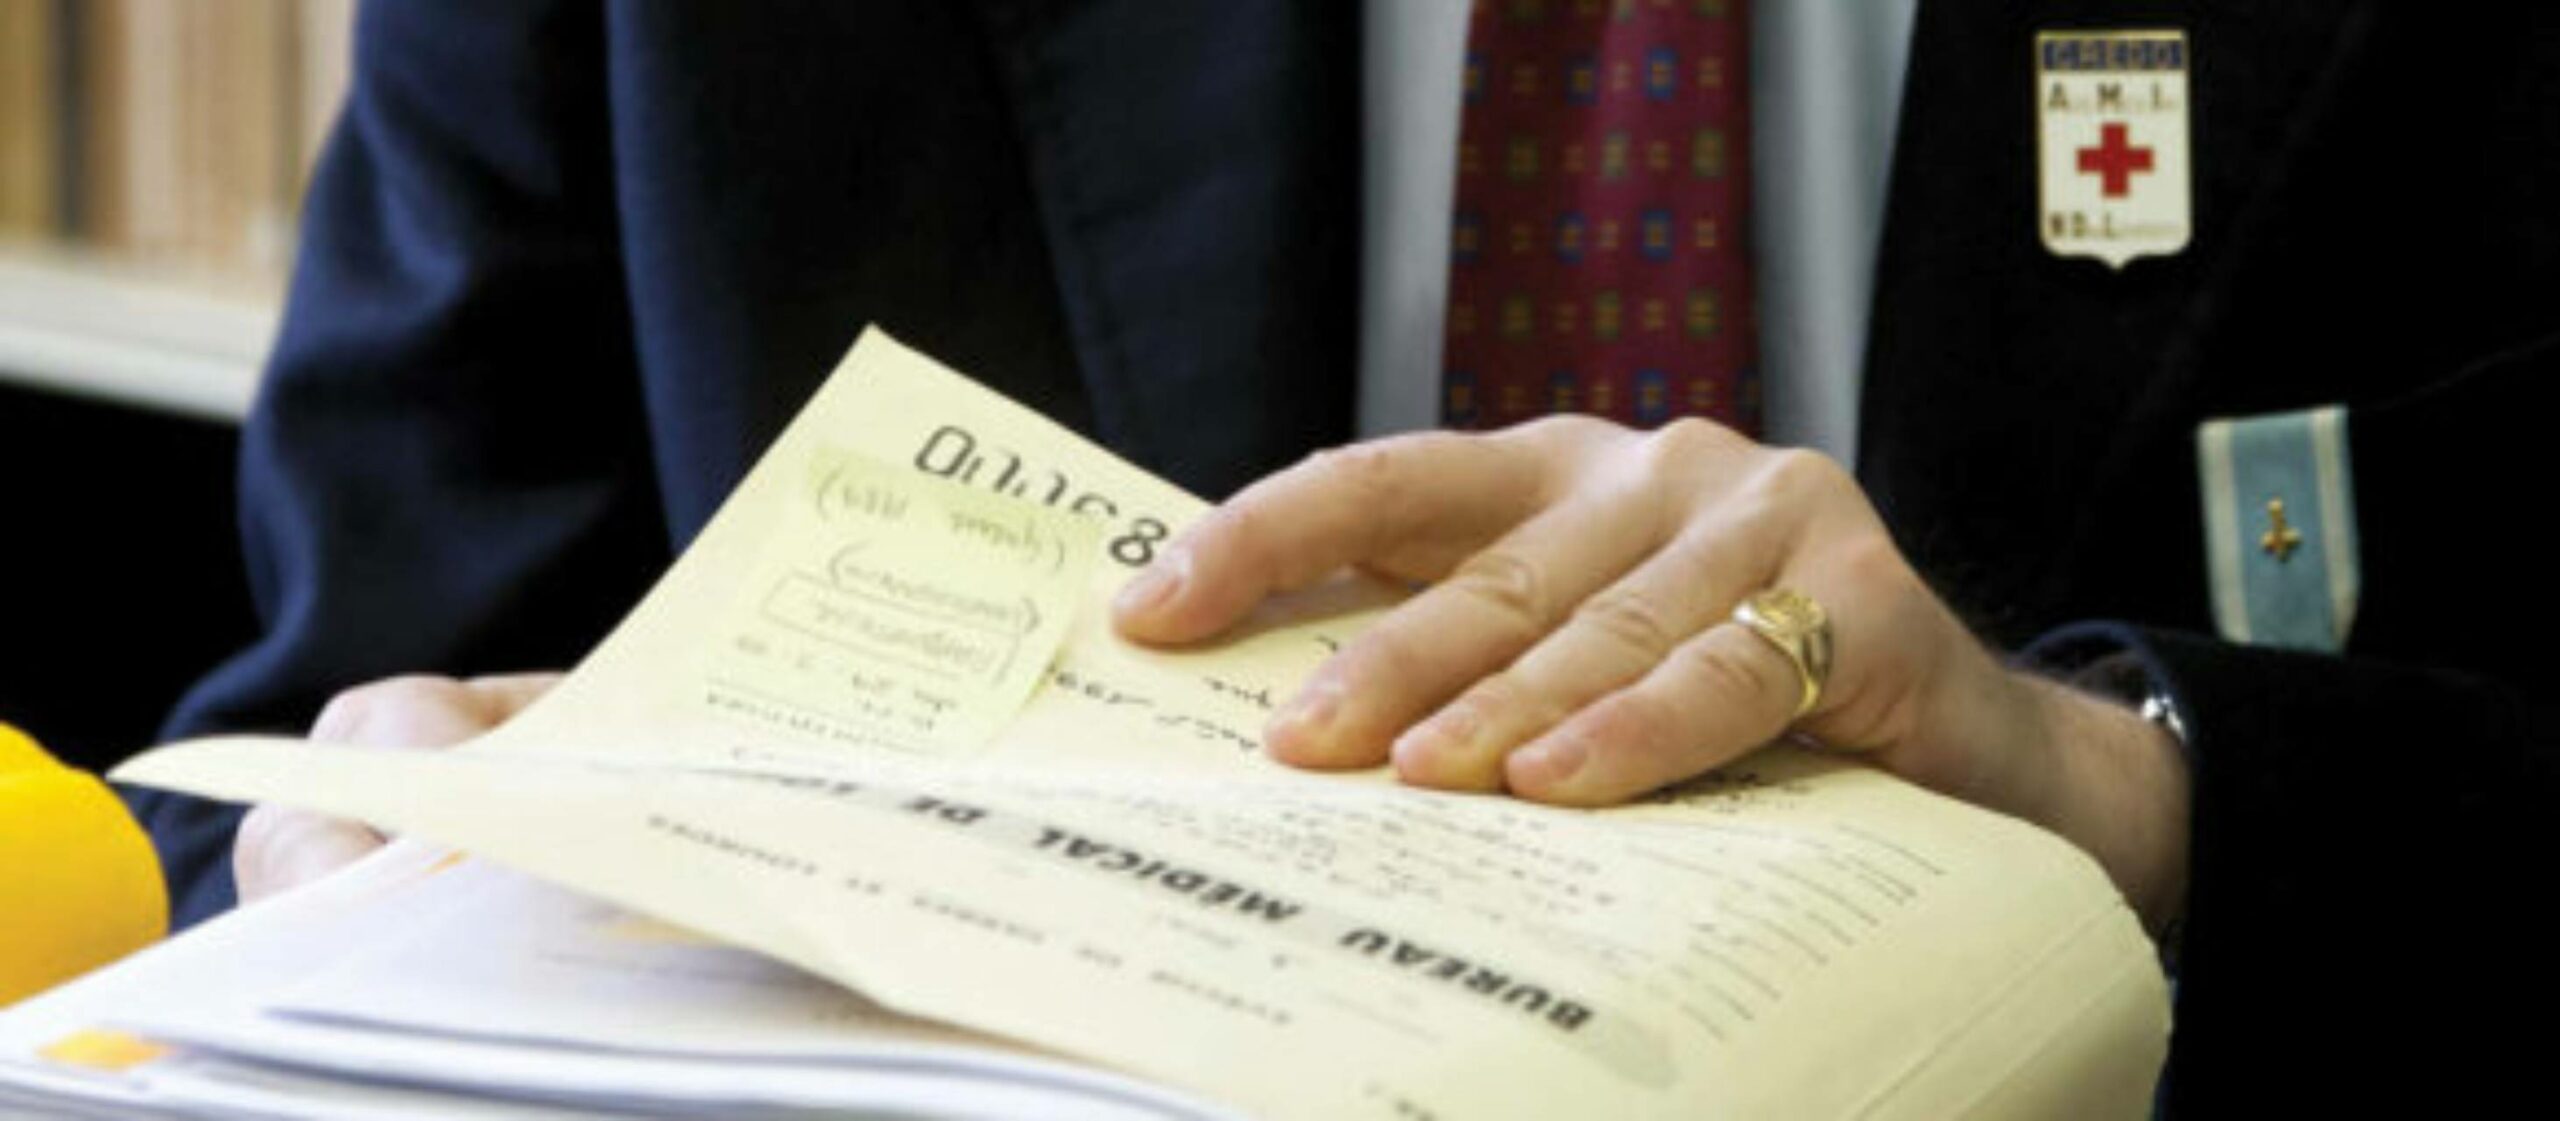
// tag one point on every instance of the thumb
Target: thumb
(281, 848)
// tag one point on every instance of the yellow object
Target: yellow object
(100, 1049)
(79, 884)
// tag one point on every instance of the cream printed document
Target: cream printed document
(874, 726)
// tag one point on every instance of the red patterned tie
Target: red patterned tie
(1599, 262)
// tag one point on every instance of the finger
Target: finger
(1409, 506)
(279, 848)
(1717, 697)
(415, 711)
(1496, 604)
(1613, 639)
(502, 696)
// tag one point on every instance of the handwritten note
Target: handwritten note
(895, 608)
(1107, 700)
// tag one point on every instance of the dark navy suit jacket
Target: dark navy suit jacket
(568, 266)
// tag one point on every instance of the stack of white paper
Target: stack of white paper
(424, 985)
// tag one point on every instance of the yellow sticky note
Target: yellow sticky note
(102, 1050)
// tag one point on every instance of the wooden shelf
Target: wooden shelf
(175, 341)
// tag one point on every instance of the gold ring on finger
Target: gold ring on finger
(1791, 621)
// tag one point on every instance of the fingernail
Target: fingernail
(1306, 717)
(1414, 751)
(1548, 764)
(1152, 587)
(1419, 751)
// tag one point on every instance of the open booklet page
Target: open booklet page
(873, 724)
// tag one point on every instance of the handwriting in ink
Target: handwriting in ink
(952, 452)
(844, 496)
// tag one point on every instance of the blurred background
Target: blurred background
(152, 157)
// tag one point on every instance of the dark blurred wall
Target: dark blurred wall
(120, 574)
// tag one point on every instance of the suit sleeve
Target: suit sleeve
(447, 466)
(2363, 864)
(2371, 832)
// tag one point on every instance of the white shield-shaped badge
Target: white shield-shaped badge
(2111, 140)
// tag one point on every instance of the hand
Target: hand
(1574, 644)
(280, 847)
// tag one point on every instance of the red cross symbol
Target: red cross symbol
(2114, 160)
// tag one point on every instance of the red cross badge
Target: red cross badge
(2111, 144)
